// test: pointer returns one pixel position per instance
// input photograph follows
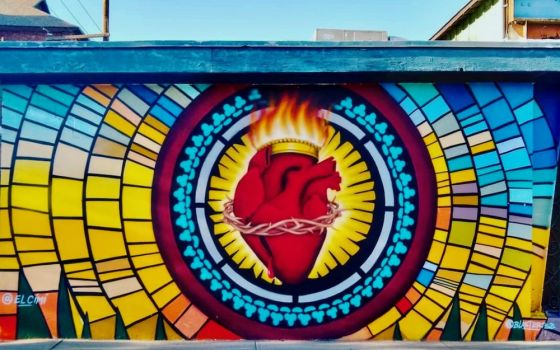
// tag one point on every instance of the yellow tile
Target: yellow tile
(119, 123)
(156, 124)
(30, 197)
(493, 221)
(450, 275)
(67, 197)
(137, 174)
(509, 293)
(97, 307)
(32, 171)
(511, 272)
(436, 252)
(139, 231)
(103, 187)
(516, 258)
(30, 222)
(71, 267)
(130, 309)
(444, 201)
(479, 269)
(520, 244)
(455, 258)
(4, 197)
(137, 203)
(4, 177)
(106, 244)
(462, 176)
(431, 138)
(109, 276)
(83, 275)
(154, 277)
(483, 147)
(440, 235)
(384, 321)
(143, 330)
(438, 297)
(541, 236)
(440, 165)
(165, 295)
(71, 239)
(435, 150)
(9, 263)
(414, 327)
(462, 233)
(484, 260)
(5, 224)
(141, 249)
(492, 241)
(36, 258)
(492, 230)
(492, 300)
(7, 248)
(468, 289)
(147, 260)
(103, 214)
(151, 133)
(428, 309)
(30, 244)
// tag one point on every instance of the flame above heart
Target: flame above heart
(288, 118)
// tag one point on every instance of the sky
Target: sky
(262, 20)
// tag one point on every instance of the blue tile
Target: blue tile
(170, 106)
(544, 159)
(14, 102)
(436, 109)
(498, 113)
(517, 93)
(485, 92)
(506, 132)
(395, 92)
(515, 159)
(496, 200)
(457, 96)
(486, 159)
(528, 111)
(425, 277)
(460, 163)
(143, 92)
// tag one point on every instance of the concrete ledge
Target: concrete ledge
(276, 62)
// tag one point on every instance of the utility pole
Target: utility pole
(105, 20)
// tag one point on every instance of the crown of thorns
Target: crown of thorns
(295, 226)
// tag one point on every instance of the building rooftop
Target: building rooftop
(470, 7)
(31, 14)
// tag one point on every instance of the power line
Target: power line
(72, 14)
(89, 15)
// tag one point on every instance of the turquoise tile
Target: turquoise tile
(515, 159)
(436, 109)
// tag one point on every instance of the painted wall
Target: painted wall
(485, 24)
(391, 211)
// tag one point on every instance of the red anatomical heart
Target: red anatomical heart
(282, 187)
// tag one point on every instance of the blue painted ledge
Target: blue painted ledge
(276, 62)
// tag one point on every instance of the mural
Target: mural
(379, 211)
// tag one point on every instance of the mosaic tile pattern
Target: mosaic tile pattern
(77, 235)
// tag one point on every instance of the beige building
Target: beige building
(497, 20)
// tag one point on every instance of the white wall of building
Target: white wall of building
(488, 27)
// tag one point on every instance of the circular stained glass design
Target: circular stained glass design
(294, 212)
